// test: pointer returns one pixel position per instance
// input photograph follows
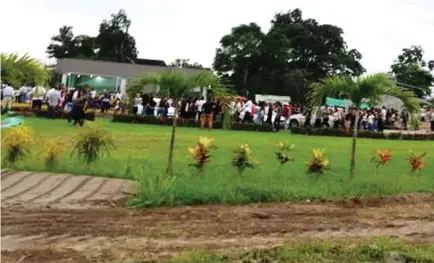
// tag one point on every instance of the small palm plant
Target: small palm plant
(17, 142)
(200, 152)
(175, 85)
(91, 144)
(369, 89)
(52, 150)
(382, 157)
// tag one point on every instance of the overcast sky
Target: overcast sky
(167, 29)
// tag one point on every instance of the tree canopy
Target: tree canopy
(113, 42)
(414, 73)
(294, 53)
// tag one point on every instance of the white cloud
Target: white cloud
(167, 29)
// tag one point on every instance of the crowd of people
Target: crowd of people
(76, 101)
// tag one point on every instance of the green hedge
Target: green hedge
(125, 118)
(363, 134)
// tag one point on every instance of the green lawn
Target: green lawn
(143, 149)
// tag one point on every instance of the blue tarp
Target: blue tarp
(11, 122)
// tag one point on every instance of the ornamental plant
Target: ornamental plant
(17, 142)
(200, 152)
(416, 161)
(318, 162)
(282, 152)
(52, 150)
(91, 144)
(242, 158)
(382, 157)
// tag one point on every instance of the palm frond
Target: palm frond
(330, 87)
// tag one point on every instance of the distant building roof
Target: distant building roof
(150, 62)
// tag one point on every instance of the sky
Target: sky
(170, 29)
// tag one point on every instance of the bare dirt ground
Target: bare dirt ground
(79, 227)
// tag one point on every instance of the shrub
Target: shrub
(52, 150)
(200, 152)
(382, 157)
(92, 143)
(416, 161)
(155, 190)
(282, 153)
(242, 158)
(17, 141)
(318, 162)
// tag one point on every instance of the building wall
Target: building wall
(123, 70)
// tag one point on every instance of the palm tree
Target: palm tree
(19, 70)
(174, 85)
(369, 89)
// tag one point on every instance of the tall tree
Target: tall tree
(412, 72)
(236, 58)
(185, 63)
(369, 89)
(66, 45)
(114, 41)
(292, 54)
(19, 70)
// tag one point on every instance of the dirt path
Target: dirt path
(113, 234)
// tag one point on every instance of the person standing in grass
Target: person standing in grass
(80, 105)
(7, 98)
(53, 100)
(37, 94)
(207, 114)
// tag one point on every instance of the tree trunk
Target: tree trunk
(353, 146)
(169, 169)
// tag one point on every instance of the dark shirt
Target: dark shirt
(208, 107)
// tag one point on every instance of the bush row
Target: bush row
(28, 112)
(125, 118)
(363, 134)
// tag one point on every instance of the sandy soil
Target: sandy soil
(79, 230)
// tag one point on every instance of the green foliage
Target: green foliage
(414, 73)
(282, 153)
(156, 189)
(17, 71)
(16, 141)
(218, 185)
(113, 42)
(242, 158)
(280, 61)
(91, 144)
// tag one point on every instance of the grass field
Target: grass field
(143, 150)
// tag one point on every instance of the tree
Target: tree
(66, 45)
(185, 63)
(294, 53)
(114, 41)
(412, 72)
(236, 58)
(175, 85)
(367, 89)
(18, 71)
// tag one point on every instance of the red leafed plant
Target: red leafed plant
(382, 157)
(200, 152)
(416, 161)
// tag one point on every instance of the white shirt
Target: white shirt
(199, 105)
(247, 107)
(371, 119)
(383, 114)
(75, 95)
(8, 91)
(93, 94)
(53, 97)
(38, 93)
